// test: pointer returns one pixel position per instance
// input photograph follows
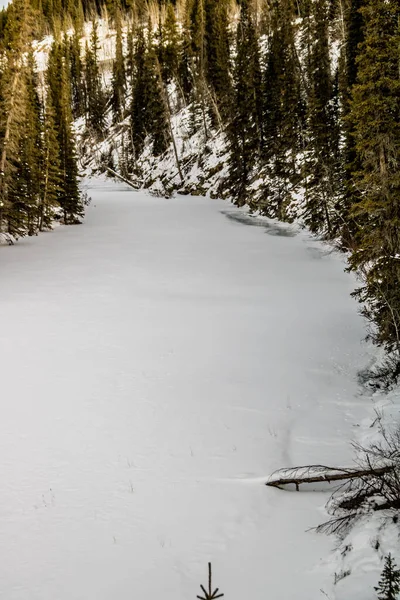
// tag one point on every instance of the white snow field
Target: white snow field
(158, 363)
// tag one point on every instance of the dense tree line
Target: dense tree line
(305, 92)
(38, 163)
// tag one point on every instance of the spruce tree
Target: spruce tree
(51, 176)
(354, 38)
(76, 74)
(375, 112)
(186, 60)
(24, 187)
(170, 46)
(32, 144)
(53, 76)
(119, 74)
(283, 111)
(130, 55)
(77, 15)
(158, 108)
(14, 98)
(217, 44)
(323, 156)
(354, 33)
(389, 583)
(69, 194)
(139, 93)
(95, 98)
(244, 132)
(197, 33)
(198, 63)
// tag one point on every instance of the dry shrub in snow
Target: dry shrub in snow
(377, 489)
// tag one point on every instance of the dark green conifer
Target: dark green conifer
(283, 112)
(244, 132)
(158, 106)
(170, 46)
(375, 113)
(354, 39)
(119, 74)
(95, 98)
(139, 125)
(77, 16)
(76, 74)
(186, 60)
(148, 110)
(347, 76)
(14, 100)
(198, 56)
(130, 56)
(323, 156)
(389, 583)
(24, 187)
(218, 53)
(51, 176)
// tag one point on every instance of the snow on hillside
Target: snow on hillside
(172, 357)
(204, 162)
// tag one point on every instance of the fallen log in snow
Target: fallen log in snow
(321, 474)
(133, 184)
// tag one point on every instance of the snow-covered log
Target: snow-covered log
(321, 474)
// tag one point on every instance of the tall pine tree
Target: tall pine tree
(51, 176)
(95, 98)
(245, 129)
(375, 113)
(283, 112)
(14, 121)
(76, 74)
(389, 584)
(217, 44)
(323, 155)
(169, 47)
(119, 73)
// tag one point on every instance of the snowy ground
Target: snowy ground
(157, 364)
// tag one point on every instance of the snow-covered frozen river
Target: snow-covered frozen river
(156, 365)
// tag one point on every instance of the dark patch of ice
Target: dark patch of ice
(270, 228)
